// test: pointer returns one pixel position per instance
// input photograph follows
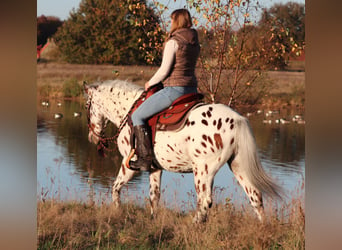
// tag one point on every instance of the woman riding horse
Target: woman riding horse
(177, 72)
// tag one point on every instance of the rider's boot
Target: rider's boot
(143, 149)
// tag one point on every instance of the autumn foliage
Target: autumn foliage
(116, 32)
(237, 49)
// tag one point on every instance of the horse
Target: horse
(214, 135)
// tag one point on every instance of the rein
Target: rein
(103, 142)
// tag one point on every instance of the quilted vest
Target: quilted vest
(183, 71)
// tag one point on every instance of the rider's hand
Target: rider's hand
(147, 85)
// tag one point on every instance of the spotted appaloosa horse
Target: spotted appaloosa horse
(213, 135)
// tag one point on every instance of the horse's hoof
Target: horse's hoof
(199, 219)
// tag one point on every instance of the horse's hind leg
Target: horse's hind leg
(154, 190)
(123, 177)
(253, 194)
(203, 186)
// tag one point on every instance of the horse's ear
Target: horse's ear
(89, 87)
(85, 87)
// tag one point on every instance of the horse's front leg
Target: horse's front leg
(124, 176)
(155, 178)
(203, 187)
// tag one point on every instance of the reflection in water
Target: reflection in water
(69, 167)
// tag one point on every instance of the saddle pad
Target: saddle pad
(173, 117)
(175, 113)
(177, 110)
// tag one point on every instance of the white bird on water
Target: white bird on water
(77, 114)
(45, 103)
(58, 116)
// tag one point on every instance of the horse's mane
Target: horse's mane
(124, 85)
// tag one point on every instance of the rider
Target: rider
(177, 71)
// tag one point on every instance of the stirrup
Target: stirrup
(129, 165)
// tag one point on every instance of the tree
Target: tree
(285, 25)
(226, 61)
(46, 28)
(236, 50)
(110, 31)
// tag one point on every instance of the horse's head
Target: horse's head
(96, 121)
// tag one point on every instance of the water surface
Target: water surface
(70, 168)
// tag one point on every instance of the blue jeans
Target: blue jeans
(158, 102)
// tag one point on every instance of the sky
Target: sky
(62, 8)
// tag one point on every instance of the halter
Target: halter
(103, 142)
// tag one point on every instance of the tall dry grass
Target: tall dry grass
(73, 225)
(288, 88)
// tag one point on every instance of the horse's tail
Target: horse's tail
(247, 152)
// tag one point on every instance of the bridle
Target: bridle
(103, 141)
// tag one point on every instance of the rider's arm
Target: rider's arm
(169, 54)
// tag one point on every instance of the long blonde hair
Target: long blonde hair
(180, 19)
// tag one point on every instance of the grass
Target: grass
(96, 224)
(73, 225)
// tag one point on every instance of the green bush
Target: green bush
(71, 88)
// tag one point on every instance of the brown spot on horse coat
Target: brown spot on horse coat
(219, 124)
(123, 169)
(218, 141)
(205, 122)
(126, 140)
(170, 147)
(210, 140)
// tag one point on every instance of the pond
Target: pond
(70, 168)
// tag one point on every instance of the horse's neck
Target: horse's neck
(118, 101)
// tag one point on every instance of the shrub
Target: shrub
(71, 88)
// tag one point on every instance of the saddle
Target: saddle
(174, 117)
